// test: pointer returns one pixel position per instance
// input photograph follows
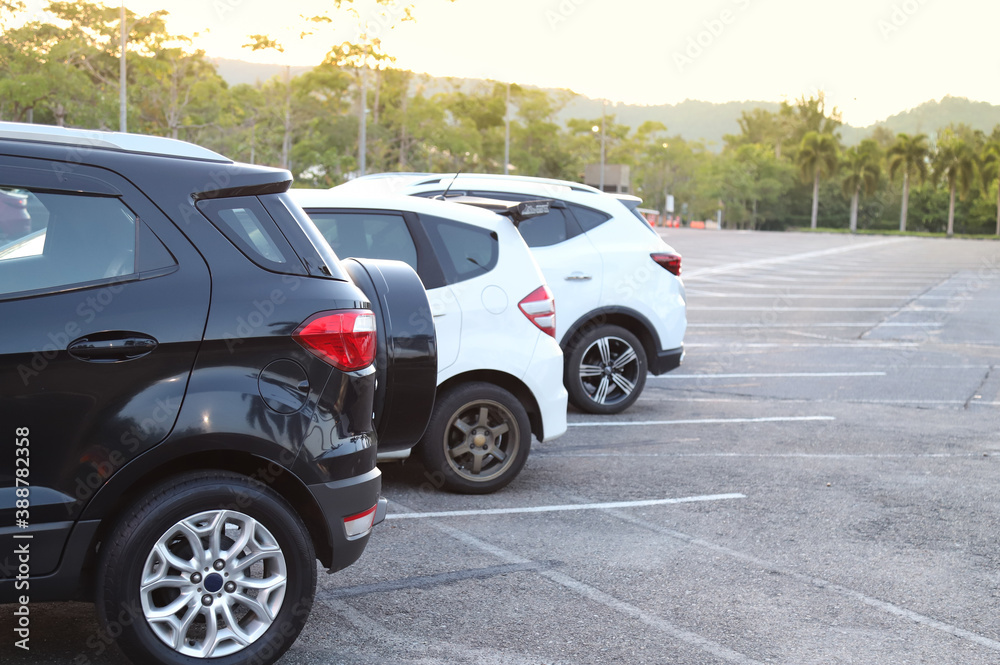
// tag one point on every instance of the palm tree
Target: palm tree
(956, 162)
(864, 169)
(990, 168)
(817, 159)
(908, 153)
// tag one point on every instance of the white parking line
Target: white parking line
(781, 308)
(863, 324)
(838, 456)
(705, 421)
(602, 598)
(749, 347)
(776, 288)
(788, 375)
(812, 581)
(671, 398)
(566, 507)
(808, 296)
(777, 260)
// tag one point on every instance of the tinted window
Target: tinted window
(464, 251)
(152, 254)
(367, 235)
(52, 240)
(248, 226)
(588, 217)
(549, 229)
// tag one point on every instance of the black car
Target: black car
(188, 374)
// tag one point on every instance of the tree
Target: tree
(909, 154)
(751, 183)
(955, 162)
(990, 167)
(863, 169)
(817, 159)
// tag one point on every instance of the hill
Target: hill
(691, 119)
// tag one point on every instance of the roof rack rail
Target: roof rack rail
(89, 138)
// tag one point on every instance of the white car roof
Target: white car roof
(332, 198)
(88, 138)
(394, 182)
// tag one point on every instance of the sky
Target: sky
(872, 58)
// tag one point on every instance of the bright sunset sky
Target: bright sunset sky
(873, 58)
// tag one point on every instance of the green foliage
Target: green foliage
(862, 168)
(773, 172)
(817, 156)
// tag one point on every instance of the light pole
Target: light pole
(596, 129)
(122, 98)
(506, 136)
(363, 120)
(666, 181)
(604, 109)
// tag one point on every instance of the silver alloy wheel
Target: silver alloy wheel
(609, 370)
(482, 440)
(213, 584)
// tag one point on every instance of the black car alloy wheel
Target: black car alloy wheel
(212, 566)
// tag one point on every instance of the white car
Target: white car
(622, 305)
(499, 366)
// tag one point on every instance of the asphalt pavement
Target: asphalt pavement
(816, 484)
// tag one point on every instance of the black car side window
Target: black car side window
(50, 240)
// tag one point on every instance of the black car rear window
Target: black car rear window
(248, 226)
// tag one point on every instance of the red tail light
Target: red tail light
(672, 262)
(345, 339)
(540, 308)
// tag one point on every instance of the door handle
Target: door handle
(578, 277)
(111, 347)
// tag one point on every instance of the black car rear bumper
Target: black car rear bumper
(343, 498)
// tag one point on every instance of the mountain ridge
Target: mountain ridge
(692, 120)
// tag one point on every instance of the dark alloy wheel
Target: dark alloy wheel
(605, 370)
(212, 566)
(478, 438)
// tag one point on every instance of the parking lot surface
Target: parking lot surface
(816, 484)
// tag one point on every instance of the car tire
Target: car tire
(605, 370)
(206, 549)
(478, 439)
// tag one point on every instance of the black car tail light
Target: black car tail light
(671, 262)
(345, 339)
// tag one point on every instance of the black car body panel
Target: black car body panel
(178, 356)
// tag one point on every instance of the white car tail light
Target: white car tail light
(360, 524)
(671, 262)
(345, 339)
(540, 308)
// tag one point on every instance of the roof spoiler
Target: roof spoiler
(516, 211)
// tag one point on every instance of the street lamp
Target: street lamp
(666, 182)
(600, 129)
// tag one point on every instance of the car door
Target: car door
(397, 235)
(103, 306)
